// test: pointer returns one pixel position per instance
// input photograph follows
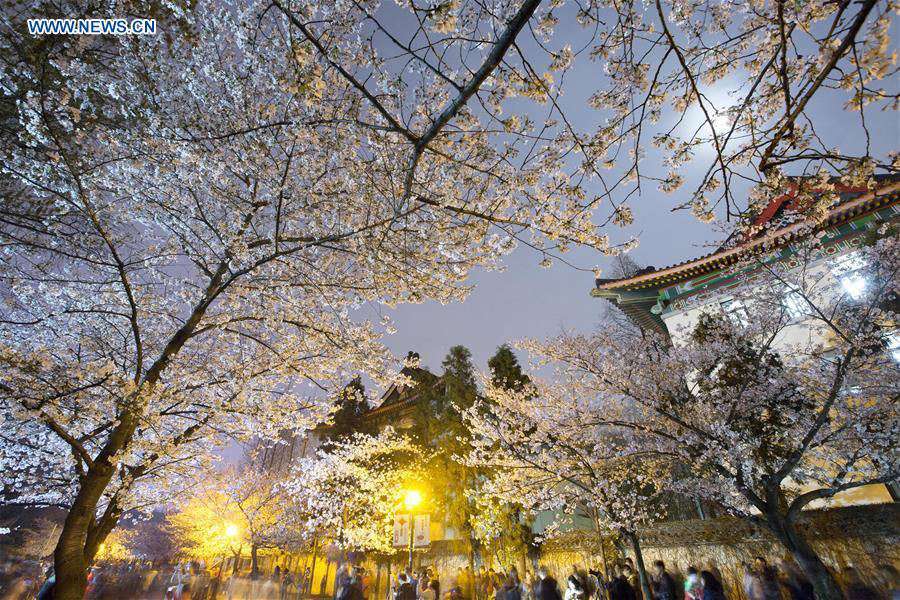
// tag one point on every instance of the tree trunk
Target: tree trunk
(639, 563)
(254, 566)
(236, 567)
(323, 588)
(472, 593)
(312, 569)
(601, 593)
(72, 557)
(784, 528)
(378, 566)
(79, 540)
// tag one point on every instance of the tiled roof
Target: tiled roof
(853, 206)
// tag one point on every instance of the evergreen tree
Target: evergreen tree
(506, 370)
(349, 415)
(460, 389)
(516, 537)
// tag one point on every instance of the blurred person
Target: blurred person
(796, 584)
(890, 581)
(16, 582)
(661, 583)
(693, 589)
(236, 586)
(768, 577)
(531, 582)
(466, 583)
(270, 587)
(855, 588)
(751, 583)
(500, 586)
(619, 588)
(712, 587)
(341, 582)
(596, 583)
(632, 576)
(366, 583)
(430, 592)
(578, 575)
(423, 585)
(547, 588)
(434, 577)
(356, 583)
(287, 584)
(454, 592)
(201, 582)
(47, 589)
(513, 587)
(574, 589)
(488, 585)
(405, 590)
(175, 588)
(480, 576)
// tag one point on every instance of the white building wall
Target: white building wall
(681, 323)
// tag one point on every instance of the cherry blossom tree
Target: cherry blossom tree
(742, 80)
(192, 217)
(250, 502)
(197, 221)
(545, 453)
(792, 404)
(352, 492)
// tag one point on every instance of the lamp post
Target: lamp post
(412, 499)
(231, 531)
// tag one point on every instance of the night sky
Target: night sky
(529, 301)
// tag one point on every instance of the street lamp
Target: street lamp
(412, 499)
(231, 532)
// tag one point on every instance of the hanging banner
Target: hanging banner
(422, 530)
(401, 531)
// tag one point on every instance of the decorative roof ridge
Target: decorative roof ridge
(755, 243)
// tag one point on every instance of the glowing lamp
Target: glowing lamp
(413, 499)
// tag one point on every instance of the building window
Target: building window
(794, 302)
(846, 268)
(736, 312)
(892, 343)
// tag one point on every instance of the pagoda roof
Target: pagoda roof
(853, 203)
(396, 398)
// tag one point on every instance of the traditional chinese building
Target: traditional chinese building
(670, 300)
(663, 299)
(399, 407)
(861, 523)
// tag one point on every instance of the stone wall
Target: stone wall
(858, 536)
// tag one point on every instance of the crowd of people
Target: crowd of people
(28, 580)
(760, 581)
(281, 584)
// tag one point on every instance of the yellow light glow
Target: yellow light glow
(231, 531)
(413, 499)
